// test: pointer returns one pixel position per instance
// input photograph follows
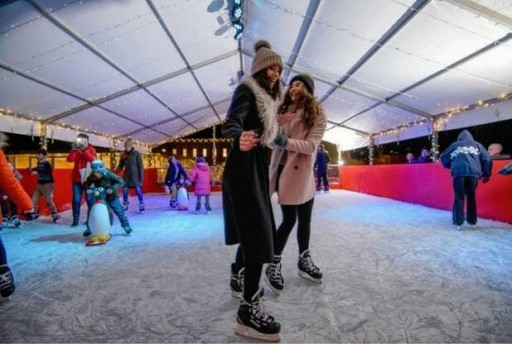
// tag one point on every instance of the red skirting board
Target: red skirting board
(429, 185)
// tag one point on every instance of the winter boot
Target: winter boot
(141, 207)
(15, 221)
(87, 232)
(128, 229)
(125, 205)
(172, 204)
(6, 281)
(308, 269)
(55, 217)
(208, 208)
(273, 276)
(254, 323)
(237, 281)
(198, 207)
(5, 223)
(75, 221)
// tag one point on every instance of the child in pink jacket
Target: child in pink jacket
(200, 175)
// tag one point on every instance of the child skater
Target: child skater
(45, 183)
(200, 175)
(101, 177)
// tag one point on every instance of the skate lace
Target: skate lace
(259, 311)
(308, 264)
(275, 271)
(5, 280)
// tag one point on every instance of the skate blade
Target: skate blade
(309, 278)
(274, 290)
(247, 332)
(236, 294)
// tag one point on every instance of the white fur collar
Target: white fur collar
(266, 111)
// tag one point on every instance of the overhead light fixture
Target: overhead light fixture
(239, 29)
(237, 12)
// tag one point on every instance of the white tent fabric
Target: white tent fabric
(385, 70)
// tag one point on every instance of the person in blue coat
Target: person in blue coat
(468, 161)
(322, 167)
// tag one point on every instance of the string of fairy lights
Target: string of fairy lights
(437, 123)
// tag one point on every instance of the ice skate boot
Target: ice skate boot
(198, 207)
(254, 323)
(208, 208)
(141, 207)
(15, 221)
(273, 276)
(237, 281)
(87, 232)
(5, 224)
(128, 229)
(308, 269)
(56, 217)
(6, 281)
(172, 204)
(125, 205)
(75, 221)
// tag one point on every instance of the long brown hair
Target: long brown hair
(262, 80)
(307, 101)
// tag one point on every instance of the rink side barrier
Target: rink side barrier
(429, 185)
(63, 194)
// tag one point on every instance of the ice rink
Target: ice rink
(393, 272)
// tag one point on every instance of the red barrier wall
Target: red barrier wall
(429, 185)
(63, 194)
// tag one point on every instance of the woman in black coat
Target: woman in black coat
(248, 218)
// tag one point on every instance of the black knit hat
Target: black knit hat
(307, 80)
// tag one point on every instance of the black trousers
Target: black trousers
(464, 189)
(322, 176)
(252, 275)
(292, 213)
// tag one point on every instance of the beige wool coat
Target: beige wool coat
(297, 181)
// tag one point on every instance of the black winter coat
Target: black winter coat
(248, 217)
(133, 168)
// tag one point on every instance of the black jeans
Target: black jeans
(252, 275)
(291, 213)
(322, 176)
(464, 189)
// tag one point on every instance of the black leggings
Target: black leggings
(290, 215)
(252, 275)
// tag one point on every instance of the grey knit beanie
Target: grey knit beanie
(264, 57)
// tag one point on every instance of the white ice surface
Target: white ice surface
(394, 272)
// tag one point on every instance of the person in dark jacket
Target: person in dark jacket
(45, 183)
(322, 166)
(425, 156)
(248, 219)
(9, 207)
(101, 177)
(175, 172)
(468, 161)
(131, 162)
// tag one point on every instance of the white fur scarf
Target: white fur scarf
(266, 111)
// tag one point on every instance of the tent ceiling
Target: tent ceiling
(159, 69)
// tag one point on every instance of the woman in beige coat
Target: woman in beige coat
(303, 125)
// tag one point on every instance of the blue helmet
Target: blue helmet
(98, 166)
